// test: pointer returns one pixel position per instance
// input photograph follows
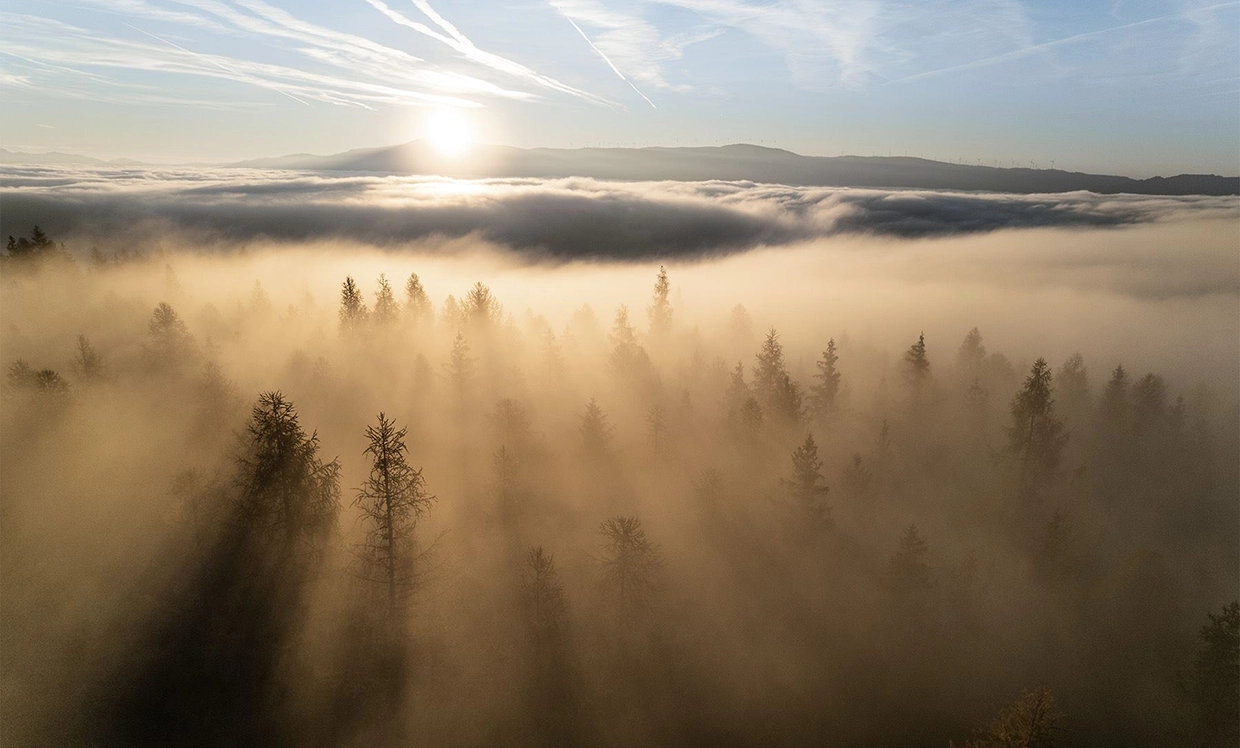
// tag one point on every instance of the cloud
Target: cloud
(560, 219)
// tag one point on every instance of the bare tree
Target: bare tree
(392, 500)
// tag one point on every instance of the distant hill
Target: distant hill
(740, 162)
(54, 157)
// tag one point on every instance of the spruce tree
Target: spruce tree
(1036, 437)
(287, 492)
(417, 303)
(808, 489)
(353, 312)
(827, 383)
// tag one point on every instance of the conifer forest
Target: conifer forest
(255, 497)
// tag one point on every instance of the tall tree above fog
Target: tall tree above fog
(1036, 437)
(417, 302)
(353, 312)
(392, 500)
(480, 307)
(917, 369)
(659, 312)
(286, 489)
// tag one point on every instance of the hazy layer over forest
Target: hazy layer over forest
(834, 489)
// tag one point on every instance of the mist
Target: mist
(701, 464)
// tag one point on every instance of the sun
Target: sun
(449, 132)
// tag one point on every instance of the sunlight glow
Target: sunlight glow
(449, 132)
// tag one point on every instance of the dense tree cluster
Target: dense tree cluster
(586, 536)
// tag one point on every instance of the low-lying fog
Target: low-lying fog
(952, 549)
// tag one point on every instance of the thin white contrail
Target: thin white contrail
(599, 52)
(204, 58)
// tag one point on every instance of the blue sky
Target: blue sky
(1137, 88)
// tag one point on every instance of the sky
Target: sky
(1134, 88)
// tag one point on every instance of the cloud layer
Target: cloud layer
(560, 219)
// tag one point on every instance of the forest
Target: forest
(256, 498)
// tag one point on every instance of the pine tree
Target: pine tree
(286, 491)
(1036, 437)
(660, 310)
(827, 386)
(772, 383)
(480, 307)
(386, 312)
(808, 496)
(917, 368)
(417, 303)
(353, 312)
(392, 500)
(631, 564)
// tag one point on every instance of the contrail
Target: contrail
(599, 52)
(204, 58)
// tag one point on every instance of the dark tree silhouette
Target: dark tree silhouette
(807, 489)
(287, 493)
(772, 382)
(917, 369)
(88, 363)
(392, 500)
(631, 564)
(827, 383)
(1036, 437)
(353, 312)
(660, 310)
(1033, 721)
(1214, 683)
(37, 247)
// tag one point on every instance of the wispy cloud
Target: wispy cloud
(607, 60)
(463, 46)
